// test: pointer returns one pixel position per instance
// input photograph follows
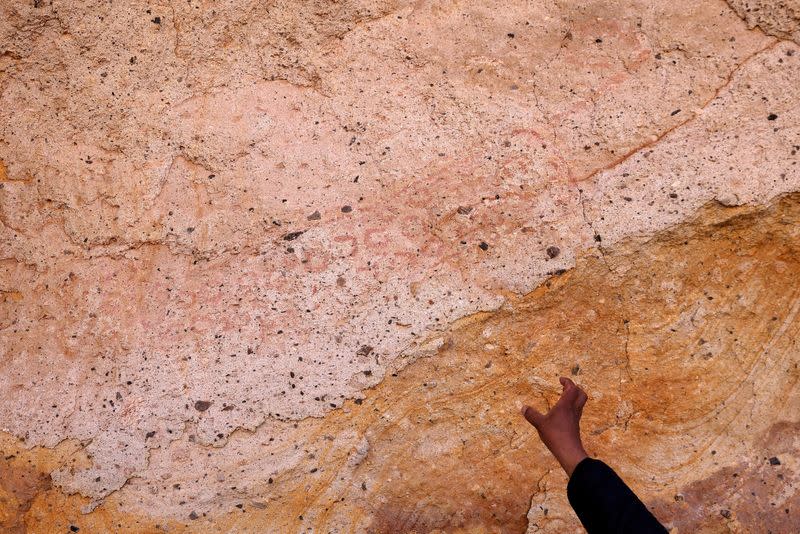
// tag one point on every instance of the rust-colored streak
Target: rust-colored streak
(5, 177)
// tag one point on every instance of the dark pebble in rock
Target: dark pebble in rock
(202, 406)
(291, 236)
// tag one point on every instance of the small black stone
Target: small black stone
(291, 236)
(347, 209)
(771, 117)
(73, 528)
(202, 406)
(774, 461)
(314, 216)
(484, 245)
(553, 252)
(156, 20)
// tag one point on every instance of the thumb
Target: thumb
(533, 416)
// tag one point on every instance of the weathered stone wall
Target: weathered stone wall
(293, 266)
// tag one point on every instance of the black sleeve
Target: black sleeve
(604, 503)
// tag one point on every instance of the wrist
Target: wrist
(571, 457)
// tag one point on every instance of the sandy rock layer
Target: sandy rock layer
(292, 266)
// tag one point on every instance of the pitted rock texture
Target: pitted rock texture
(229, 229)
(695, 402)
(780, 18)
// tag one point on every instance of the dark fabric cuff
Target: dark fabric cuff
(589, 473)
(605, 504)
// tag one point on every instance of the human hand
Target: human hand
(559, 429)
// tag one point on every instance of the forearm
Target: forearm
(569, 456)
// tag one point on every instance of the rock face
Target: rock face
(293, 266)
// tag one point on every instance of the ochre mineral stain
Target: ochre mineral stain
(685, 342)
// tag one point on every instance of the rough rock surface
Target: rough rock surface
(293, 266)
(780, 18)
